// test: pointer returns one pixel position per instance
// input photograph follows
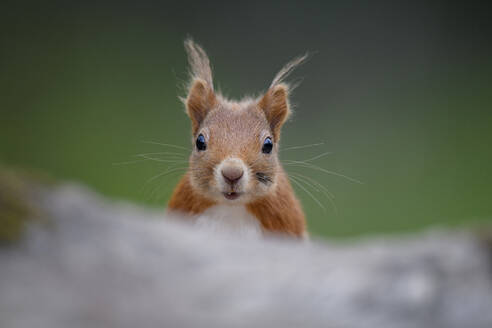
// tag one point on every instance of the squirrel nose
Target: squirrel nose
(232, 174)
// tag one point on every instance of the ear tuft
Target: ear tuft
(201, 98)
(288, 69)
(199, 62)
(275, 105)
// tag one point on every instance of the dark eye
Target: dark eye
(200, 143)
(267, 146)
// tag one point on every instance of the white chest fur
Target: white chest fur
(231, 220)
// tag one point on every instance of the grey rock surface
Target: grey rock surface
(98, 263)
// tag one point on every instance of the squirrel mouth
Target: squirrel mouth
(231, 195)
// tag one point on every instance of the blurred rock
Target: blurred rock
(96, 263)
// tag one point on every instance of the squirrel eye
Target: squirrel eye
(267, 146)
(200, 143)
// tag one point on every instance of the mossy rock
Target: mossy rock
(15, 208)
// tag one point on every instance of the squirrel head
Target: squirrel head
(235, 143)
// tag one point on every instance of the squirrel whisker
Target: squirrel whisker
(262, 177)
(160, 175)
(182, 155)
(318, 187)
(175, 157)
(130, 162)
(303, 146)
(293, 179)
(318, 168)
(315, 183)
(162, 160)
(307, 160)
(317, 156)
(166, 145)
(170, 170)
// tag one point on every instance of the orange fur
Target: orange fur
(187, 200)
(280, 211)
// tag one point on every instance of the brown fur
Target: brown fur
(238, 130)
(280, 211)
(187, 200)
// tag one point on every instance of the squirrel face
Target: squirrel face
(235, 144)
(235, 153)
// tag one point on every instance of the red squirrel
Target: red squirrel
(234, 171)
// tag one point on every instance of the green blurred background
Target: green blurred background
(399, 92)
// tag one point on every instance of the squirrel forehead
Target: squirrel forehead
(236, 122)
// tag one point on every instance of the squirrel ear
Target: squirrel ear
(199, 102)
(275, 105)
(201, 97)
